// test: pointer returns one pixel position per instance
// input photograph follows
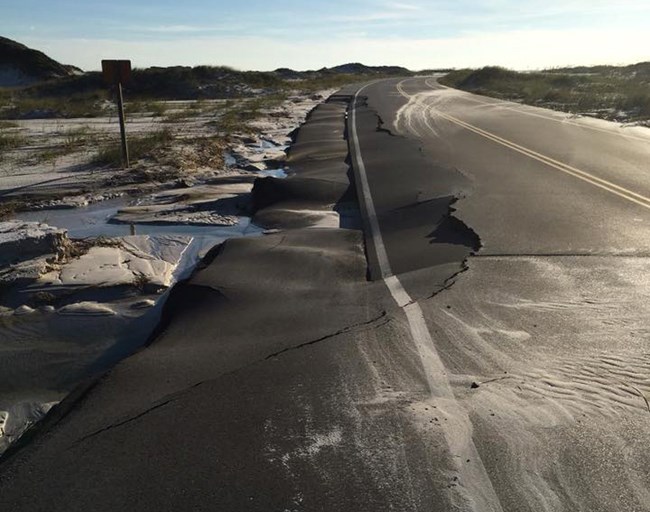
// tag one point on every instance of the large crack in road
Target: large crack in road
(238, 402)
(376, 165)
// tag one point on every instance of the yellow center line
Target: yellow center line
(539, 155)
(401, 90)
(551, 162)
(568, 169)
(436, 86)
(521, 109)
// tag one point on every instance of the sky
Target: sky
(310, 34)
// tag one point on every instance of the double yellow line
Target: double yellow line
(551, 162)
(401, 90)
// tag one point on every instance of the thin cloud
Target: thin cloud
(403, 6)
(181, 29)
(451, 32)
(388, 15)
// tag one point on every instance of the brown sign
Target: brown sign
(116, 71)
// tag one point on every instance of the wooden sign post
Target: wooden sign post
(116, 73)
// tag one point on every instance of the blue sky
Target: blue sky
(256, 34)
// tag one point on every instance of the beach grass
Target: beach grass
(140, 147)
(615, 93)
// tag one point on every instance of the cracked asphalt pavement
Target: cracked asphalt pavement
(470, 334)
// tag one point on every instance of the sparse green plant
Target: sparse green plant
(9, 141)
(140, 146)
(28, 103)
(154, 108)
(110, 154)
(77, 138)
(184, 113)
(205, 152)
(157, 108)
(177, 116)
(49, 155)
(199, 105)
(236, 115)
(134, 107)
(73, 140)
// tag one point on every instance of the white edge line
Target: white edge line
(477, 490)
(375, 233)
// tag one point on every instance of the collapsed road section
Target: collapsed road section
(280, 378)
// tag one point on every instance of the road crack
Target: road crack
(377, 321)
(129, 420)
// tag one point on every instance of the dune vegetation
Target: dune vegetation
(609, 92)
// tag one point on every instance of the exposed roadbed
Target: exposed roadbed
(280, 378)
(78, 297)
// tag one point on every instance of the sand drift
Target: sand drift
(276, 368)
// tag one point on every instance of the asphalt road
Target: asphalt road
(484, 350)
(544, 338)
